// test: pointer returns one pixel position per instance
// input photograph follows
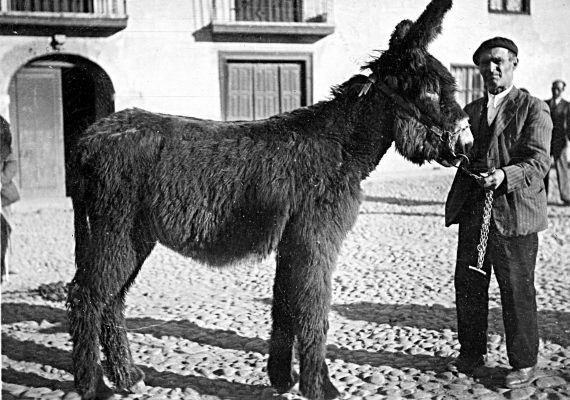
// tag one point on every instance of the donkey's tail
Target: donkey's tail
(79, 199)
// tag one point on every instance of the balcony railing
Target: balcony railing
(292, 18)
(71, 17)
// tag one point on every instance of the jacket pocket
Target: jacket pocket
(532, 190)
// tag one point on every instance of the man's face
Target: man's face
(497, 69)
(557, 89)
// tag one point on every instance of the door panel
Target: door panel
(240, 92)
(266, 93)
(290, 87)
(37, 125)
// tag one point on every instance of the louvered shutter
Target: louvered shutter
(290, 86)
(266, 94)
(240, 92)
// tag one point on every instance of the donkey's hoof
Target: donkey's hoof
(284, 385)
(138, 388)
(103, 392)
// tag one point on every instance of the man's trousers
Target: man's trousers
(560, 158)
(513, 260)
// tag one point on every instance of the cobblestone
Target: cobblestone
(200, 333)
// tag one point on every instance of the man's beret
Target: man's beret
(495, 42)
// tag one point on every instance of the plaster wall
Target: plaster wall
(164, 62)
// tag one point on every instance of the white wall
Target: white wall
(158, 64)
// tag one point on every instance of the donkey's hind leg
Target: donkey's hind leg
(92, 288)
(84, 321)
(98, 283)
(121, 369)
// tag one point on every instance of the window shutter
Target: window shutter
(469, 83)
(266, 95)
(240, 92)
(290, 87)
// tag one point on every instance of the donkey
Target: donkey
(219, 192)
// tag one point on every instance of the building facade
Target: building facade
(65, 63)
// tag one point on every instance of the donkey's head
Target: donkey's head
(429, 124)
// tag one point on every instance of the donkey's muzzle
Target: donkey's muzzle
(464, 142)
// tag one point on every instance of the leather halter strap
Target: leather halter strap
(397, 99)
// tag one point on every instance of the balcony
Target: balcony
(68, 17)
(271, 20)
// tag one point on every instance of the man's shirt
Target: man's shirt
(494, 103)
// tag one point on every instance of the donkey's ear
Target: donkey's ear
(427, 26)
(400, 32)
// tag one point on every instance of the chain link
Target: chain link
(482, 246)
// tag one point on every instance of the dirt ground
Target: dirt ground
(201, 333)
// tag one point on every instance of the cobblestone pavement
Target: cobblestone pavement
(201, 333)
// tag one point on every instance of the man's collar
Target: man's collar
(495, 99)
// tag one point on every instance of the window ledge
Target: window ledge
(271, 31)
(26, 23)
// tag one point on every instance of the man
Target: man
(8, 190)
(560, 113)
(512, 132)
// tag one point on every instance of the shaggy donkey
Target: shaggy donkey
(223, 191)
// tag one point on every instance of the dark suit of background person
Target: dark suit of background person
(560, 114)
(517, 144)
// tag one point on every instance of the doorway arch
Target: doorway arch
(53, 99)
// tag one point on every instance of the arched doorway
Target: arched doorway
(52, 100)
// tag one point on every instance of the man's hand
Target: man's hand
(492, 180)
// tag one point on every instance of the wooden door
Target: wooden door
(260, 90)
(37, 126)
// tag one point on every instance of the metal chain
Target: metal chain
(482, 246)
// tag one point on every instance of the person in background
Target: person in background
(8, 191)
(560, 114)
(512, 132)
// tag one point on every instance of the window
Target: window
(510, 6)
(469, 83)
(254, 87)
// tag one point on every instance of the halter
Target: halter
(444, 136)
(435, 128)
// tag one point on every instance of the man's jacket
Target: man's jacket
(524, 128)
(560, 114)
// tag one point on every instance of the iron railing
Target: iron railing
(272, 11)
(96, 8)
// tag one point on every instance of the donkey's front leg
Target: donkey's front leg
(301, 305)
(311, 330)
(279, 365)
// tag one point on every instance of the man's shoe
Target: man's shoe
(520, 378)
(466, 364)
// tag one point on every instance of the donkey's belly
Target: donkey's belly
(242, 235)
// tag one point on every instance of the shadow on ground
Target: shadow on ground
(402, 201)
(554, 327)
